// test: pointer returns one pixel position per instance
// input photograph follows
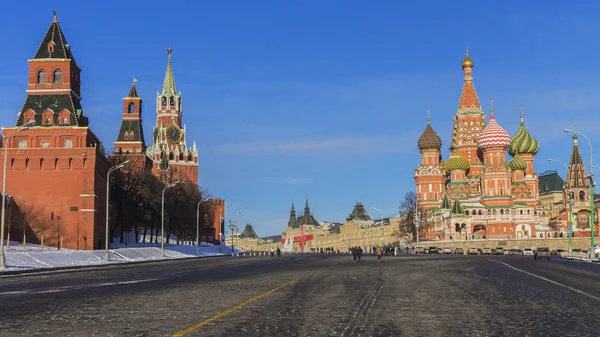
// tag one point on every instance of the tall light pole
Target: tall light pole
(222, 226)
(378, 210)
(110, 170)
(592, 183)
(416, 220)
(162, 231)
(5, 145)
(233, 227)
(570, 196)
(198, 222)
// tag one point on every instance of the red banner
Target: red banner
(307, 237)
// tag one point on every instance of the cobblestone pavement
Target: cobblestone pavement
(330, 296)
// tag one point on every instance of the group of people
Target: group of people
(278, 252)
(357, 253)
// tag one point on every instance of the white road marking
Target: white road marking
(550, 281)
(66, 288)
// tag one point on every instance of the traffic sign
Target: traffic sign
(570, 230)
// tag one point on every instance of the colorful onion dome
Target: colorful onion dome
(457, 162)
(517, 163)
(429, 139)
(523, 142)
(467, 62)
(493, 135)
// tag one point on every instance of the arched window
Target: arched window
(467, 212)
(528, 211)
(479, 212)
(22, 144)
(12, 163)
(163, 101)
(581, 196)
(180, 156)
(27, 164)
(131, 108)
(70, 162)
(55, 163)
(57, 76)
(68, 144)
(502, 212)
(47, 120)
(84, 162)
(41, 78)
(189, 157)
(521, 212)
(171, 101)
(171, 156)
(65, 120)
(41, 163)
(45, 145)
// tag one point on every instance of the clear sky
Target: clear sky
(324, 99)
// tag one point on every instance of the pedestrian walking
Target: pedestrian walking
(378, 250)
(278, 252)
(359, 253)
(354, 252)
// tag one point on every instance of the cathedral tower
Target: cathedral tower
(495, 179)
(429, 176)
(172, 158)
(525, 147)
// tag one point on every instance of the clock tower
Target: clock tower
(172, 158)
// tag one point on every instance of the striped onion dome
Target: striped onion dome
(456, 162)
(429, 139)
(493, 135)
(517, 163)
(523, 142)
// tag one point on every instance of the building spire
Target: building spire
(428, 117)
(521, 109)
(491, 107)
(169, 83)
(133, 91)
(469, 103)
(54, 20)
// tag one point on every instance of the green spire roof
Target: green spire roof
(358, 213)
(249, 233)
(445, 202)
(169, 83)
(523, 142)
(457, 208)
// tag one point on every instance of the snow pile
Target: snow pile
(35, 257)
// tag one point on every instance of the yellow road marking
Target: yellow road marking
(241, 305)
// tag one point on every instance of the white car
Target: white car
(527, 251)
(597, 250)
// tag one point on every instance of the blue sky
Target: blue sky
(324, 99)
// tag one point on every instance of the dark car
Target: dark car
(542, 253)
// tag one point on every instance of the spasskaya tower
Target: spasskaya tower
(172, 158)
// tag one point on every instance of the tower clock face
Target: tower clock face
(173, 134)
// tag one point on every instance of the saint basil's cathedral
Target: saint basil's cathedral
(476, 193)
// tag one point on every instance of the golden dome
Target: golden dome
(467, 62)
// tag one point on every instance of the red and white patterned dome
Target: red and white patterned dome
(493, 135)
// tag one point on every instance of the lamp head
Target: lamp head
(125, 162)
(549, 159)
(26, 126)
(568, 130)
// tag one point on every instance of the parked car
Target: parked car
(473, 251)
(432, 250)
(459, 251)
(447, 250)
(420, 250)
(596, 250)
(499, 251)
(542, 253)
(487, 251)
(514, 251)
(527, 251)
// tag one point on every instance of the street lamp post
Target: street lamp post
(233, 227)
(198, 223)
(222, 226)
(5, 145)
(110, 170)
(378, 210)
(570, 196)
(416, 220)
(162, 231)
(592, 184)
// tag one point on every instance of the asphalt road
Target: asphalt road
(314, 295)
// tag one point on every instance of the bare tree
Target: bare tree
(408, 210)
